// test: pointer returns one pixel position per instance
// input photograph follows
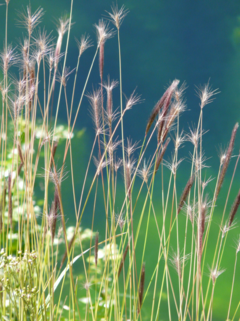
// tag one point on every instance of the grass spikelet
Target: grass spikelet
(161, 154)
(227, 160)
(94, 100)
(141, 288)
(234, 209)
(123, 260)
(166, 105)
(52, 217)
(185, 193)
(156, 110)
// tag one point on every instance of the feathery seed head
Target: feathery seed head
(178, 262)
(43, 42)
(179, 140)
(226, 228)
(190, 211)
(109, 86)
(83, 44)
(214, 273)
(103, 32)
(25, 50)
(133, 100)
(130, 148)
(206, 93)
(172, 166)
(9, 58)
(194, 136)
(94, 100)
(100, 165)
(111, 148)
(179, 92)
(129, 168)
(144, 172)
(56, 177)
(238, 246)
(64, 76)
(206, 182)
(62, 29)
(117, 164)
(200, 162)
(119, 219)
(63, 24)
(53, 59)
(117, 15)
(29, 20)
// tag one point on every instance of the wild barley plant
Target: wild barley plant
(117, 281)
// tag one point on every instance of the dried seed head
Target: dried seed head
(109, 86)
(130, 148)
(100, 165)
(173, 166)
(206, 182)
(178, 262)
(64, 76)
(200, 162)
(119, 219)
(141, 288)
(206, 94)
(133, 100)
(180, 91)
(190, 211)
(238, 246)
(117, 15)
(159, 105)
(227, 160)
(29, 20)
(144, 172)
(43, 42)
(9, 58)
(179, 140)
(57, 176)
(111, 148)
(225, 229)
(83, 44)
(185, 193)
(117, 164)
(129, 167)
(63, 24)
(95, 101)
(214, 274)
(194, 136)
(234, 209)
(176, 109)
(62, 29)
(161, 154)
(103, 32)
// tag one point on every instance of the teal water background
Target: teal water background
(193, 41)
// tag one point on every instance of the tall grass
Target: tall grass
(38, 252)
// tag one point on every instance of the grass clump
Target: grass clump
(122, 276)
